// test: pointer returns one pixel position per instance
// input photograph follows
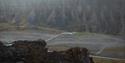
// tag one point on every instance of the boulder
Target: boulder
(31, 51)
(77, 55)
(6, 55)
(24, 51)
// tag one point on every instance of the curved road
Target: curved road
(96, 43)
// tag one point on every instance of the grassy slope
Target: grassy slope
(100, 60)
(5, 26)
(83, 33)
(96, 60)
(115, 49)
(11, 27)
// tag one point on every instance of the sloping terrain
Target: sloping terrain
(100, 60)
(98, 44)
(9, 36)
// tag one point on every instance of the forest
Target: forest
(98, 16)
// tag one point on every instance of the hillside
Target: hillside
(101, 16)
(98, 25)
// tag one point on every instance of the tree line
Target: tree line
(100, 16)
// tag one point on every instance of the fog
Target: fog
(98, 25)
(101, 16)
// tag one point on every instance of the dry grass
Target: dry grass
(100, 60)
(96, 60)
(115, 49)
(56, 48)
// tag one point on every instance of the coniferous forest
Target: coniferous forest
(100, 16)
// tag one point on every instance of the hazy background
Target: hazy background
(98, 25)
(101, 16)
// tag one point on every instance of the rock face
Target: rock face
(31, 51)
(36, 52)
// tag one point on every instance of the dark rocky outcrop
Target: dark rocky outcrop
(36, 52)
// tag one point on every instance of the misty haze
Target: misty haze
(97, 25)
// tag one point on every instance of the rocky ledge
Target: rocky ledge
(24, 51)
